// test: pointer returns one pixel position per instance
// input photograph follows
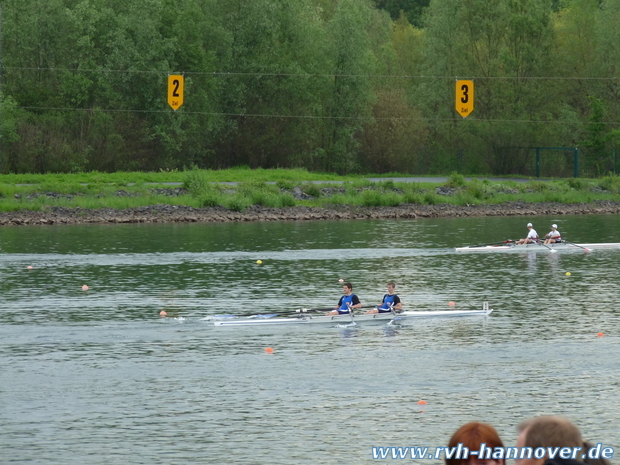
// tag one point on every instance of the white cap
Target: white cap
(529, 225)
(554, 226)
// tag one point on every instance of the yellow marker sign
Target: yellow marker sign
(175, 91)
(464, 97)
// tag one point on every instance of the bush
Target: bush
(284, 184)
(577, 184)
(359, 183)
(251, 187)
(311, 189)
(287, 200)
(430, 198)
(455, 180)
(475, 189)
(271, 199)
(464, 199)
(261, 197)
(391, 199)
(237, 203)
(210, 198)
(412, 197)
(539, 186)
(371, 199)
(610, 183)
(350, 190)
(196, 182)
(340, 199)
(388, 185)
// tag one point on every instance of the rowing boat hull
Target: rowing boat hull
(346, 319)
(539, 247)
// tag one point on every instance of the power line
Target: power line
(255, 74)
(358, 118)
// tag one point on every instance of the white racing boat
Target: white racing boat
(537, 247)
(272, 320)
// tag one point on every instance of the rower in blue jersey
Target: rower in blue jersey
(347, 301)
(390, 300)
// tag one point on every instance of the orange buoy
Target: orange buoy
(451, 304)
(341, 280)
(269, 350)
(29, 267)
(422, 402)
(600, 334)
(84, 287)
(162, 313)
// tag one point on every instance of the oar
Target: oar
(284, 313)
(493, 243)
(328, 309)
(545, 245)
(351, 314)
(396, 318)
(251, 315)
(577, 245)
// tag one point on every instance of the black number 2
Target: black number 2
(176, 84)
(465, 97)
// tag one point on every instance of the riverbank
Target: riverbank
(186, 214)
(66, 199)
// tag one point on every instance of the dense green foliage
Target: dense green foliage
(339, 86)
(204, 188)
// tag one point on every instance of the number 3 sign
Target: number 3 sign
(464, 97)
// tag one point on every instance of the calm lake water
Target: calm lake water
(98, 377)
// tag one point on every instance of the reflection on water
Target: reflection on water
(99, 377)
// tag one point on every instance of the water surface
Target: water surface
(99, 377)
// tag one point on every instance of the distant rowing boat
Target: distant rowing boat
(347, 319)
(537, 247)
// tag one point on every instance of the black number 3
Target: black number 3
(465, 97)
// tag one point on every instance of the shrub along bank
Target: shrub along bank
(195, 196)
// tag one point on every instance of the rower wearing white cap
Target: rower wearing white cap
(532, 236)
(554, 236)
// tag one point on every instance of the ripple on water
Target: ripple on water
(99, 377)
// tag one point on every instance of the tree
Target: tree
(413, 10)
(349, 98)
(505, 46)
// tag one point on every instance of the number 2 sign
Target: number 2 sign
(175, 91)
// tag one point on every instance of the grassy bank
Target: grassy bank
(289, 187)
(239, 174)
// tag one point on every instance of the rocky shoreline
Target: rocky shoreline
(184, 214)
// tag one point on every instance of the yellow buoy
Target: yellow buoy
(568, 273)
(259, 262)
